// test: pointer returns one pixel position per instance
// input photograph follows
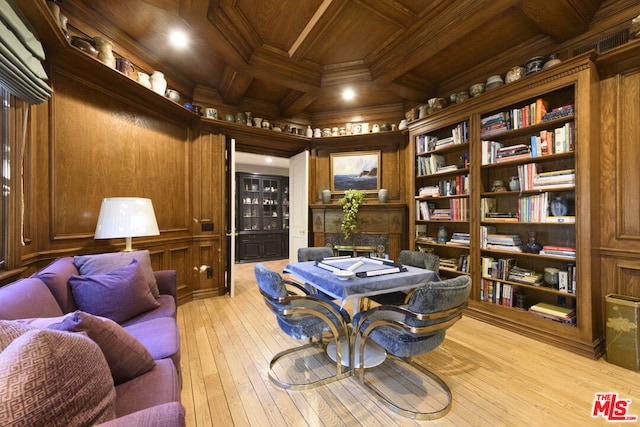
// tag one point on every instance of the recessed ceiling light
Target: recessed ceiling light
(268, 159)
(348, 94)
(179, 39)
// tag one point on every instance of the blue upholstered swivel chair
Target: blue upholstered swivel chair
(410, 330)
(415, 259)
(304, 317)
(316, 253)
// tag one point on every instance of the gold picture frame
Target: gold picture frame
(357, 170)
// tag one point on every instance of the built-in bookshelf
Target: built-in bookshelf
(523, 154)
(443, 185)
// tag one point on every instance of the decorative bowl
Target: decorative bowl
(476, 89)
(344, 274)
(462, 96)
(494, 82)
(533, 65)
(516, 73)
(84, 45)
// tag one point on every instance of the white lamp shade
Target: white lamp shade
(126, 217)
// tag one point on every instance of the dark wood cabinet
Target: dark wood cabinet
(262, 218)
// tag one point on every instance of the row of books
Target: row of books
(460, 263)
(529, 115)
(500, 293)
(496, 268)
(428, 143)
(533, 207)
(459, 185)
(458, 210)
(558, 140)
(554, 312)
(516, 118)
(530, 179)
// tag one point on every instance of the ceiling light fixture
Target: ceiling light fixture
(348, 94)
(179, 39)
(268, 159)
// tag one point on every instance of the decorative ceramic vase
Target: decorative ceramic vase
(173, 95)
(514, 183)
(241, 119)
(383, 195)
(551, 276)
(533, 246)
(249, 117)
(257, 122)
(105, 52)
(158, 83)
(143, 79)
(326, 197)
(443, 234)
(309, 132)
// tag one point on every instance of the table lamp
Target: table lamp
(126, 217)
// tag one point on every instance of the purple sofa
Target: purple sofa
(60, 295)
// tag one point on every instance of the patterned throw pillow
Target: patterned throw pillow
(119, 295)
(89, 265)
(54, 378)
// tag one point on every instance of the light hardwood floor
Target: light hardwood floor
(497, 378)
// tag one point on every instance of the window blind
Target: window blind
(21, 56)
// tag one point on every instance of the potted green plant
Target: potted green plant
(350, 205)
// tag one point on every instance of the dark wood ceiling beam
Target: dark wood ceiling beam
(576, 16)
(273, 65)
(458, 21)
(328, 12)
(233, 86)
(295, 102)
(341, 74)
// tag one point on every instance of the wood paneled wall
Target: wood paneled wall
(619, 247)
(89, 142)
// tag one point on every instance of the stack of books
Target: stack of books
(513, 152)
(504, 242)
(440, 213)
(554, 179)
(494, 124)
(556, 113)
(459, 239)
(526, 276)
(554, 312)
(560, 251)
(429, 191)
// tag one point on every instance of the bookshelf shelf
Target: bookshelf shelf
(563, 157)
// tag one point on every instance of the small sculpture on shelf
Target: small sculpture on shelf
(533, 246)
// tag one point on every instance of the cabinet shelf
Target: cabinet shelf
(446, 173)
(446, 149)
(540, 288)
(539, 159)
(527, 130)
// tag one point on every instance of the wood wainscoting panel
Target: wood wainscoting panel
(180, 259)
(102, 147)
(628, 158)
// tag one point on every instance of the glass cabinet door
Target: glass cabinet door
(285, 204)
(270, 206)
(249, 205)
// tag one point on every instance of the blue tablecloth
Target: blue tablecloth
(329, 283)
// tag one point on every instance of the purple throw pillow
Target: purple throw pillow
(88, 265)
(119, 295)
(126, 356)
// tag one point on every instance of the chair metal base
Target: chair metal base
(341, 371)
(410, 413)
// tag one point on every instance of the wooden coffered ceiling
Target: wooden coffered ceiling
(296, 56)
